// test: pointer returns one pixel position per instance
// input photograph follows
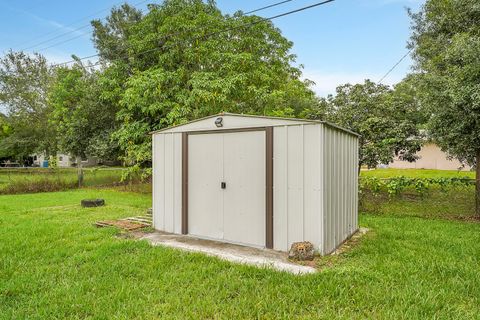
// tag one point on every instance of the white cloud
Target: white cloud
(58, 25)
(53, 23)
(326, 82)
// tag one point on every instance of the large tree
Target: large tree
(84, 120)
(24, 84)
(386, 119)
(184, 59)
(446, 46)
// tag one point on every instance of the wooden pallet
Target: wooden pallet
(129, 224)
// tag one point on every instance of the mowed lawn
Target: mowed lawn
(55, 265)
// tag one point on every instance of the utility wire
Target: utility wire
(71, 31)
(269, 6)
(210, 34)
(394, 66)
(65, 41)
(143, 11)
(56, 37)
(60, 42)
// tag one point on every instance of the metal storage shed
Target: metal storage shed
(257, 181)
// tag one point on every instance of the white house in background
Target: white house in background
(430, 157)
(64, 161)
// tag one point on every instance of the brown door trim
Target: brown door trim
(268, 177)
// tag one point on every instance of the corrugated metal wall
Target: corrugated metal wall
(167, 182)
(315, 185)
(297, 183)
(340, 184)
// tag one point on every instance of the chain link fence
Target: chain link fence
(27, 180)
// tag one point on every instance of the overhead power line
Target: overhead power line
(56, 37)
(69, 25)
(269, 6)
(394, 66)
(210, 34)
(143, 11)
(66, 40)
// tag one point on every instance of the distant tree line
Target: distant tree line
(184, 59)
(174, 64)
(156, 69)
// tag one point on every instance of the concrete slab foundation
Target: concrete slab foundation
(264, 258)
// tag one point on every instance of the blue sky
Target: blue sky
(343, 41)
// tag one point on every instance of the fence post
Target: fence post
(79, 172)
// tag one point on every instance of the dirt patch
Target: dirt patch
(122, 224)
(351, 242)
(135, 234)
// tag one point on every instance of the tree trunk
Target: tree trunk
(80, 172)
(477, 185)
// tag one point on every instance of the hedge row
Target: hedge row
(396, 185)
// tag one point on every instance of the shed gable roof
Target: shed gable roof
(237, 121)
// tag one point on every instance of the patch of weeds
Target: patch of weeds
(140, 187)
(40, 185)
(328, 261)
(125, 235)
(135, 234)
(342, 252)
(148, 230)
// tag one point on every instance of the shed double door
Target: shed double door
(226, 186)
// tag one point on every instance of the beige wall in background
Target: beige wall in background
(431, 157)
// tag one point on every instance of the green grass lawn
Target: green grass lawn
(416, 173)
(55, 265)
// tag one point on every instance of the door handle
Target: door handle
(223, 185)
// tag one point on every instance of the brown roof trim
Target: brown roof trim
(261, 117)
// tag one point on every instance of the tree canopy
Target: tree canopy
(446, 46)
(24, 85)
(386, 119)
(84, 121)
(185, 59)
